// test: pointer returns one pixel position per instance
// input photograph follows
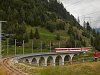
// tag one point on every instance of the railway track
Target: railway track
(10, 68)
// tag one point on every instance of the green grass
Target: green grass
(90, 68)
(45, 37)
(19, 51)
(80, 69)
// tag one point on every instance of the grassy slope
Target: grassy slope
(80, 69)
(46, 37)
(92, 68)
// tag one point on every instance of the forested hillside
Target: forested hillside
(31, 19)
(42, 13)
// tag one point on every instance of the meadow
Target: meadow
(88, 68)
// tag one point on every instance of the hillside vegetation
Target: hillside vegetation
(91, 68)
(46, 21)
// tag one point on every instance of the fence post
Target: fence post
(15, 47)
(7, 46)
(32, 45)
(50, 46)
(59, 44)
(41, 46)
(23, 47)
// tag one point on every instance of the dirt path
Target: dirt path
(9, 68)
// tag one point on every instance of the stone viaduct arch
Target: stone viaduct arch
(42, 61)
(58, 60)
(34, 61)
(47, 60)
(50, 61)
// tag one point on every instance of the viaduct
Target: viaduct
(47, 59)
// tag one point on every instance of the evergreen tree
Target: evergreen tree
(58, 37)
(84, 24)
(84, 43)
(86, 34)
(51, 26)
(78, 43)
(26, 38)
(78, 20)
(31, 34)
(70, 31)
(22, 15)
(9, 12)
(92, 41)
(36, 34)
(88, 27)
(70, 42)
(94, 32)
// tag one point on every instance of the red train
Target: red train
(73, 49)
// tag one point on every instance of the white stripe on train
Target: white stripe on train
(72, 49)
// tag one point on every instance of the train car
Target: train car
(85, 49)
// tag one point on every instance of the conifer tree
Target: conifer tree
(57, 37)
(26, 38)
(88, 27)
(84, 24)
(78, 20)
(31, 34)
(36, 34)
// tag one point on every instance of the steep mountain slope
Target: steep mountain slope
(43, 20)
(35, 13)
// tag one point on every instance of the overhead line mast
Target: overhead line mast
(1, 37)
